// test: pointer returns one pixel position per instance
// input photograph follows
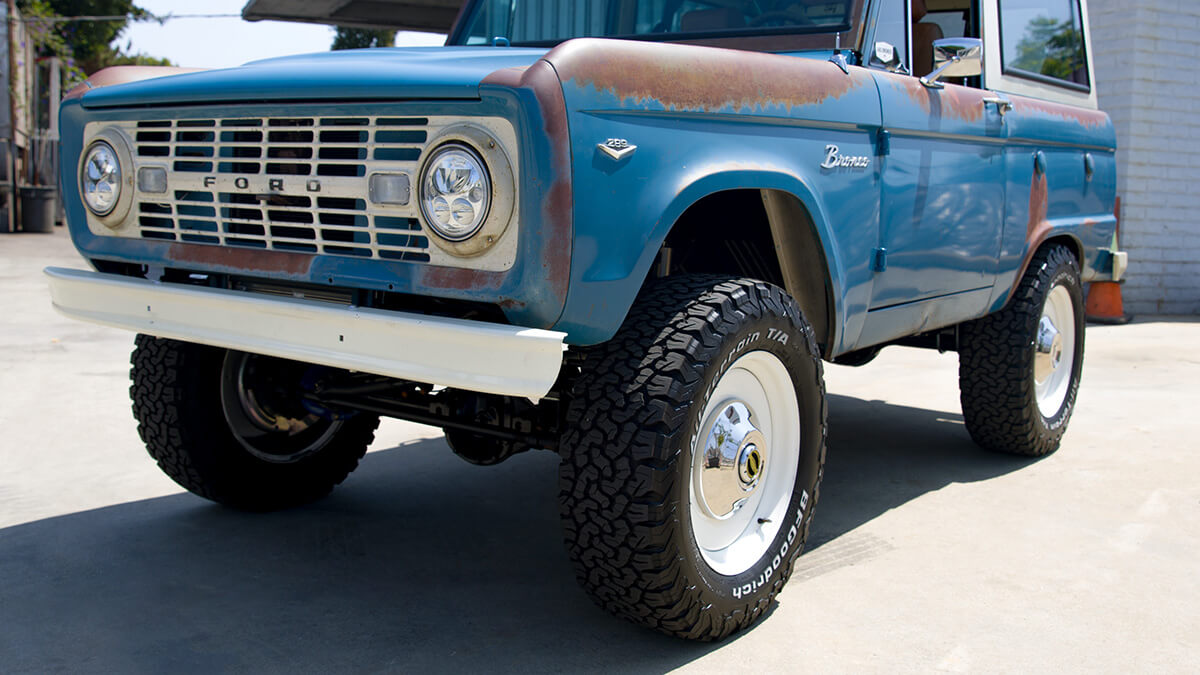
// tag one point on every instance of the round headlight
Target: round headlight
(456, 192)
(101, 178)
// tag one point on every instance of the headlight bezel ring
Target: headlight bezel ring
(115, 141)
(499, 173)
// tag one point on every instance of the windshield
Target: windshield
(547, 22)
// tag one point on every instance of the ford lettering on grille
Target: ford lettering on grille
(245, 184)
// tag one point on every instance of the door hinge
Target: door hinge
(883, 142)
(879, 261)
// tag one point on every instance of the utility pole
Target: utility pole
(11, 76)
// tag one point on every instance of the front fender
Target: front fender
(625, 210)
(706, 120)
(748, 175)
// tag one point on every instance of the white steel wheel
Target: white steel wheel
(744, 463)
(1054, 351)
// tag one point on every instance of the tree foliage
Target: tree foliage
(1052, 48)
(362, 38)
(85, 46)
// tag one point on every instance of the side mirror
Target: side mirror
(955, 57)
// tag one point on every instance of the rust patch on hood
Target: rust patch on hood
(685, 77)
(951, 102)
(235, 259)
(124, 75)
(1092, 119)
(506, 77)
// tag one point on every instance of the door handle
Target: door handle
(1003, 105)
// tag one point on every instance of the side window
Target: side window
(1043, 39)
(538, 20)
(953, 23)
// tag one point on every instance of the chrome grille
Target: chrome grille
(249, 182)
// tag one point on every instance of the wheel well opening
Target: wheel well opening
(725, 233)
(761, 234)
(1070, 243)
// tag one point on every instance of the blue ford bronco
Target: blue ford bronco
(627, 231)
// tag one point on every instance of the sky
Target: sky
(226, 42)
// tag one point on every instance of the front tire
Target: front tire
(1019, 369)
(693, 456)
(229, 426)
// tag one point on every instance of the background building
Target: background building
(1146, 54)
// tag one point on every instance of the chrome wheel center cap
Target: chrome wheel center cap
(750, 465)
(735, 460)
(1049, 350)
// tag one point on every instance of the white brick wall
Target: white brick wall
(1146, 53)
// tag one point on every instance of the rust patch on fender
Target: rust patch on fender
(242, 259)
(951, 102)
(558, 202)
(559, 205)
(510, 303)
(1039, 200)
(685, 77)
(1092, 119)
(1037, 228)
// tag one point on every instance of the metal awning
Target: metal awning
(422, 15)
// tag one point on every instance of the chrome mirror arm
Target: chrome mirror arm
(931, 80)
(955, 57)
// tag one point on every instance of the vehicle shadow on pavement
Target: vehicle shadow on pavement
(419, 561)
(882, 455)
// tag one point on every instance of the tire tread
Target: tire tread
(996, 387)
(174, 392)
(619, 461)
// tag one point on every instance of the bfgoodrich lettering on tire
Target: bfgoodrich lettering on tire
(1019, 368)
(693, 456)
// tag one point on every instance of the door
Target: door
(943, 193)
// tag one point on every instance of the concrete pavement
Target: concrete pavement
(928, 554)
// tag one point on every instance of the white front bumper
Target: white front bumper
(471, 355)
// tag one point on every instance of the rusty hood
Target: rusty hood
(364, 74)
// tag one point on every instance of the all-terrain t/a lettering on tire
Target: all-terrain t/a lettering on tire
(693, 455)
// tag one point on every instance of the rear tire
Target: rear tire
(693, 455)
(1019, 368)
(236, 437)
